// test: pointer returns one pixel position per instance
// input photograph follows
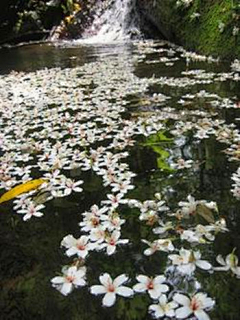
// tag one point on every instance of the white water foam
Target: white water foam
(118, 22)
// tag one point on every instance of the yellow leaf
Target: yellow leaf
(22, 188)
(76, 7)
(68, 19)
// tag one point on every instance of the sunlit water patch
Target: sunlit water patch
(138, 207)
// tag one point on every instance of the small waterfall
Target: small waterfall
(115, 20)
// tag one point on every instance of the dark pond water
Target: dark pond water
(128, 76)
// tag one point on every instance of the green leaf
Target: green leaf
(156, 139)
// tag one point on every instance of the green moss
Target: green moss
(203, 33)
(200, 33)
(206, 35)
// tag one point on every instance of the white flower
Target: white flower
(122, 186)
(230, 263)
(150, 217)
(158, 206)
(31, 210)
(154, 286)
(90, 222)
(112, 221)
(191, 236)
(188, 208)
(195, 15)
(182, 164)
(114, 200)
(158, 245)
(164, 227)
(187, 261)
(72, 277)
(111, 241)
(220, 226)
(221, 26)
(23, 201)
(57, 193)
(198, 234)
(98, 234)
(79, 246)
(202, 134)
(95, 210)
(163, 308)
(71, 186)
(185, 3)
(195, 305)
(235, 31)
(111, 288)
(92, 219)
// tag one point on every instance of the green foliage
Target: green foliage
(28, 16)
(68, 6)
(206, 34)
(157, 143)
(196, 26)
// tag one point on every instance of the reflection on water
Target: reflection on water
(179, 154)
(46, 55)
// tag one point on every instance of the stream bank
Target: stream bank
(208, 27)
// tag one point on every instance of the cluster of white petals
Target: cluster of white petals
(79, 126)
(110, 288)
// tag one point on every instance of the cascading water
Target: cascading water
(116, 21)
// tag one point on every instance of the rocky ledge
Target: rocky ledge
(209, 27)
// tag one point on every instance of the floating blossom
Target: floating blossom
(90, 222)
(188, 260)
(195, 15)
(236, 185)
(92, 219)
(221, 26)
(235, 31)
(122, 186)
(163, 308)
(182, 164)
(22, 201)
(200, 234)
(31, 210)
(80, 246)
(220, 226)
(164, 227)
(185, 3)
(111, 241)
(236, 65)
(98, 234)
(151, 205)
(151, 217)
(112, 221)
(202, 134)
(114, 200)
(195, 305)
(188, 208)
(70, 186)
(158, 245)
(230, 263)
(72, 277)
(154, 286)
(110, 288)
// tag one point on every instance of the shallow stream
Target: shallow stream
(141, 121)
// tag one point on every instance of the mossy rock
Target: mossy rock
(205, 26)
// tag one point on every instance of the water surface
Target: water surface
(130, 76)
